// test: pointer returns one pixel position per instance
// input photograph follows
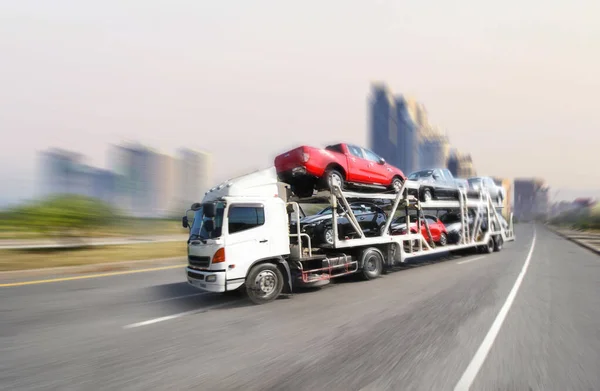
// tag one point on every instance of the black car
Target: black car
(371, 219)
(453, 223)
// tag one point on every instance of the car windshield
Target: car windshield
(327, 211)
(474, 181)
(420, 174)
(402, 219)
(450, 218)
(198, 230)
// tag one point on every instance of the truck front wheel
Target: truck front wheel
(264, 283)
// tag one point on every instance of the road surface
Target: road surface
(526, 318)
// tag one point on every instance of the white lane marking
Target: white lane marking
(175, 316)
(470, 260)
(468, 377)
(175, 298)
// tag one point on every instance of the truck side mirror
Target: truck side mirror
(210, 209)
(184, 222)
(209, 225)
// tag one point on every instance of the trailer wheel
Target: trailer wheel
(264, 283)
(372, 263)
(489, 247)
(498, 243)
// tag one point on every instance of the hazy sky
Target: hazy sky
(515, 83)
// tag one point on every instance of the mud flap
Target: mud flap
(288, 273)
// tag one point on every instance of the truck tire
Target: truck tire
(489, 247)
(498, 243)
(372, 263)
(264, 283)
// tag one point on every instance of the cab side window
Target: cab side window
(371, 156)
(356, 151)
(242, 218)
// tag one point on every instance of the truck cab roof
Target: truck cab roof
(260, 184)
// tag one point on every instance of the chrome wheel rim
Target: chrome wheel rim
(335, 180)
(266, 281)
(397, 185)
(427, 196)
(329, 235)
(371, 265)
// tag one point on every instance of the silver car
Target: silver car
(497, 193)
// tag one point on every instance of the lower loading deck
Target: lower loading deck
(375, 255)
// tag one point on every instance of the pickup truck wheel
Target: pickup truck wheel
(427, 196)
(303, 191)
(372, 263)
(264, 283)
(334, 177)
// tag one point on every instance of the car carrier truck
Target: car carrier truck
(240, 236)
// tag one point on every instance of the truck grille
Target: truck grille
(196, 261)
(195, 276)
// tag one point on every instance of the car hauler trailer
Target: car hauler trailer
(240, 236)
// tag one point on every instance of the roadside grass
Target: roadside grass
(126, 227)
(45, 258)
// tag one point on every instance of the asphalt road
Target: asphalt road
(421, 328)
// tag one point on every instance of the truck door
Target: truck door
(247, 238)
(379, 173)
(358, 170)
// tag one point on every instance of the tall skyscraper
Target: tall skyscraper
(194, 177)
(383, 131)
(531, 198)
(64, 172)
(434, 151)
(393, 128)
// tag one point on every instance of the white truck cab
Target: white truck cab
(240, 225)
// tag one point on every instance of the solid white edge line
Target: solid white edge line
(175, 316)
(470, 260)
(472, 370)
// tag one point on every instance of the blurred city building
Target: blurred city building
(64, 172)
(400, 132)
(531, 198)
(194, 177)
(139, 182)
(460, 164)
(434, 150)
(507, 184)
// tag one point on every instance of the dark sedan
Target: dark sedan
(371, 220)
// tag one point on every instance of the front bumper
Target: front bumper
(198, 279)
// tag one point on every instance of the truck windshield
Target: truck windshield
(199, 232)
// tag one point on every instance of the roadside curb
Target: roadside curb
(577, 241)
(80, 268)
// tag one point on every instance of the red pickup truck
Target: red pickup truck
(308, 168)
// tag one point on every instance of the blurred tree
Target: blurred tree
(64, 215)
